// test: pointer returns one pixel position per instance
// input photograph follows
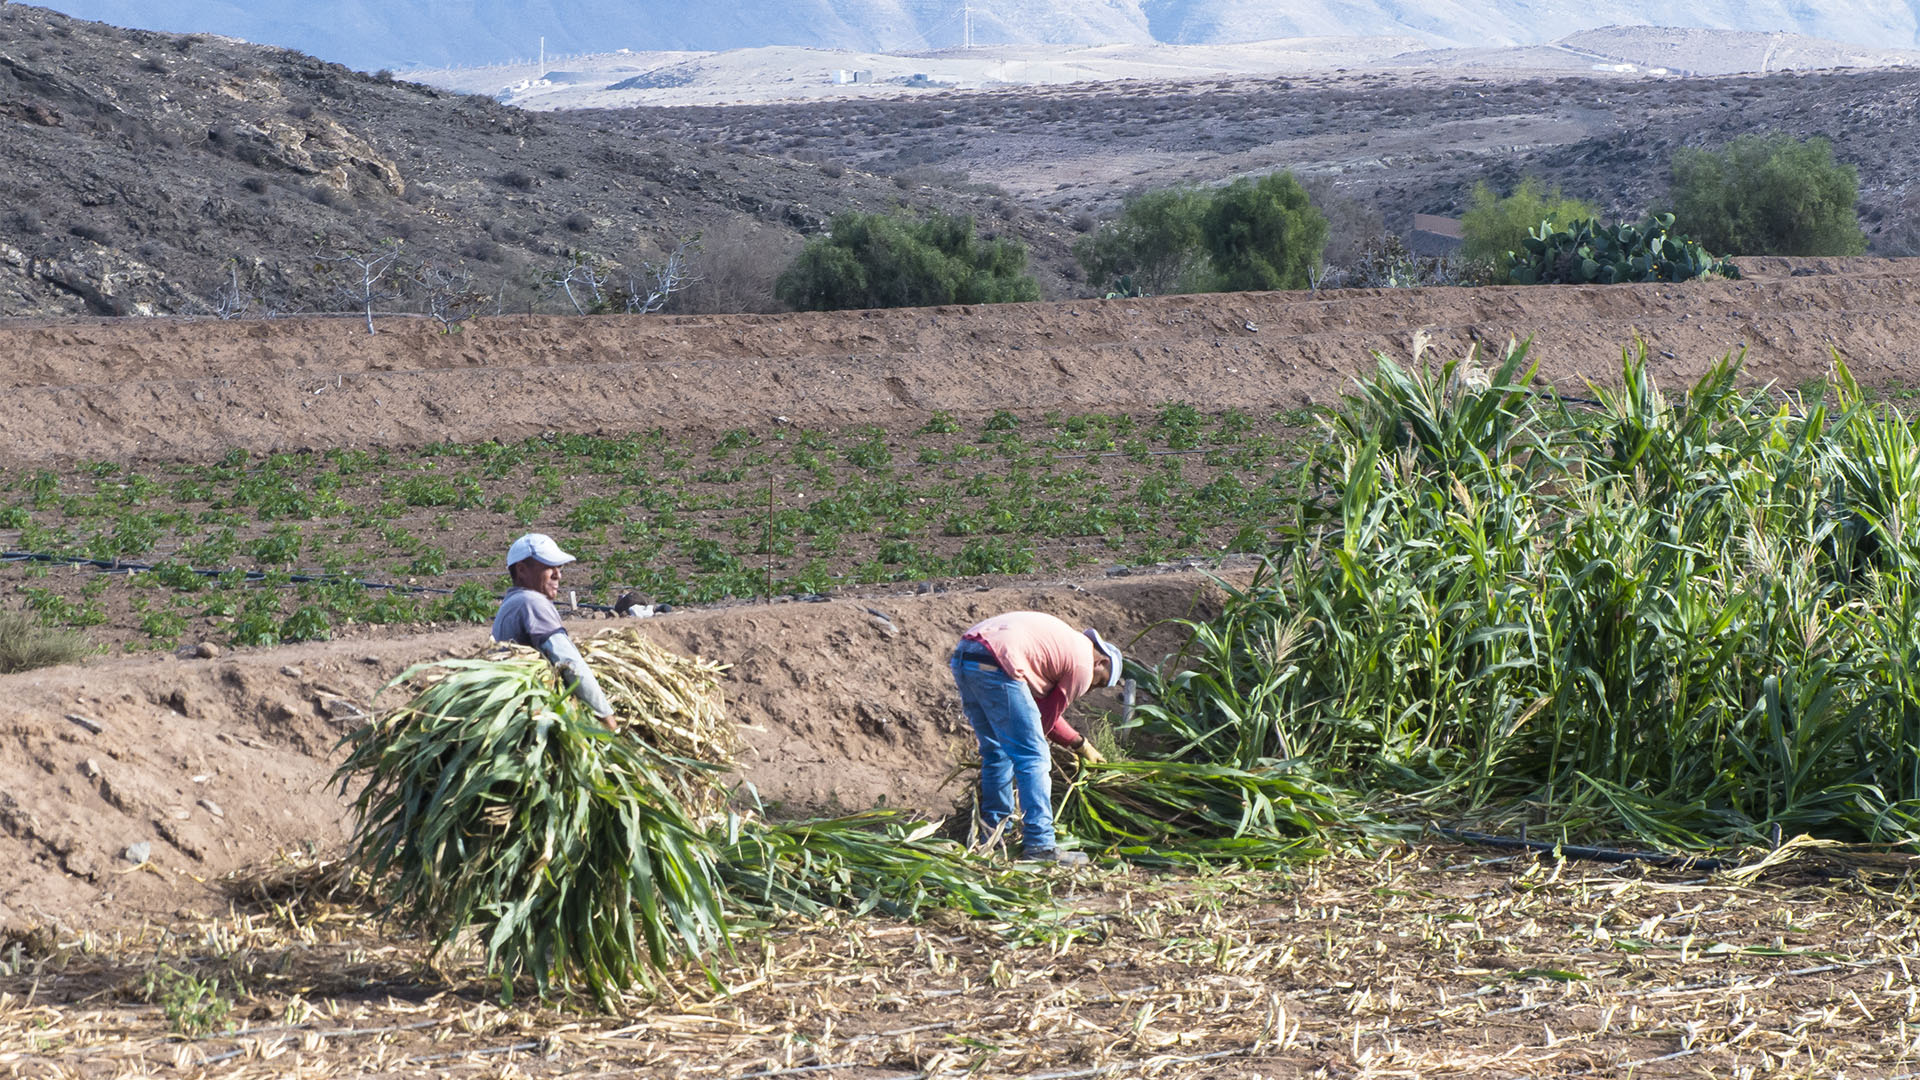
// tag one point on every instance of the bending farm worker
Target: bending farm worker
(1017, 673)
(527, 617)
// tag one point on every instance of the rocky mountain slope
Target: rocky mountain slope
(153, 173)
(371, 34)
(1388, 143)
(145, 172)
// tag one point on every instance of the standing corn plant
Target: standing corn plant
(1691, 618)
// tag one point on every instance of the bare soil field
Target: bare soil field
(193, 390)
(165, 815)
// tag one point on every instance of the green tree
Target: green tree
(1156, 241)
(1263, 234)
(1768, 195)
(882, 260)
(1495, 225)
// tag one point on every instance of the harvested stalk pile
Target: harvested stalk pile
(671, 702)
(674, 700)
(1173, 813)
(494, 803)
(666, 701)
(878, 860)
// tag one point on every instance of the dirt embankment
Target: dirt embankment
(187, 389)
(216, 765)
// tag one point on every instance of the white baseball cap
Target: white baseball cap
(537, 546)
(1113, 655)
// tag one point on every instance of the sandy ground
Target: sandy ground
(187, 389)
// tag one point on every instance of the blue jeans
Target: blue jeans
(1013, 752)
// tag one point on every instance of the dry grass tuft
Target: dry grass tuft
(25, 644)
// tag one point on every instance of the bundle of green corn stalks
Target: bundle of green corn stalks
(666, 701)
(879, 860)
(494, 803)
(1173, 813)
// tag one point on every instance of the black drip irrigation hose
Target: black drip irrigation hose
(120, 566)
(1580, 851)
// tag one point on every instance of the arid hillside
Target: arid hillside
(166, 174)
(1396, 141)
(147, 173)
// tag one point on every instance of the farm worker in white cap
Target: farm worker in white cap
(527, 617)
(1017, 673)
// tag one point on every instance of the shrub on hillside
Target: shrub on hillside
(739, 264)
(1769, 195)
(881, 260)
(1385, 262)
(1155, 242)
(1496, 225)
(1263, 234)
(25, 644)
(1252, 234)
(1354, 228)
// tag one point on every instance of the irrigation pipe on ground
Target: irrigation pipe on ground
(1581, 851)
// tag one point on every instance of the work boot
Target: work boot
(1055, 856)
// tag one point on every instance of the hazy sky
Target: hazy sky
(372, 34)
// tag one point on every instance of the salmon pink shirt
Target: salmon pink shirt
(1054, 660)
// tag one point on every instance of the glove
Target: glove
(1086, 752)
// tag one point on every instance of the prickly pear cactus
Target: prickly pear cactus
(1588, 253)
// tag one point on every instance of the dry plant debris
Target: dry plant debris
(1426, 962)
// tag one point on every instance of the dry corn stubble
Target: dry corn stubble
(1427, 962)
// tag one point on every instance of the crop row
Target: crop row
(684, 518)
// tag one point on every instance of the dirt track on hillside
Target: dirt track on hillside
(154, 388)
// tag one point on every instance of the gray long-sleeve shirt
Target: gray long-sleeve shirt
(528, 618)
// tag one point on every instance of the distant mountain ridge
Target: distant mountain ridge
(399, 34)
